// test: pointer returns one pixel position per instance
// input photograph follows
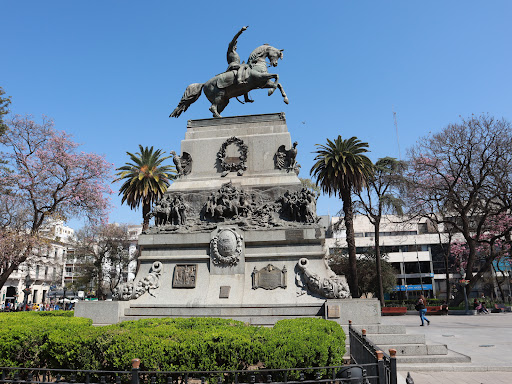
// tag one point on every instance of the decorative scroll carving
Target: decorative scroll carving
(299, 206)
(226, 247)
(183, 163)
(228, 202)
(131, 291)
(329, 288)
(269, 277)
(230, 164)
(185, 276)
(170, 209)
(285, 158)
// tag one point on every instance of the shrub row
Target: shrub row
(33, 339)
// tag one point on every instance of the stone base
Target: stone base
(359, 311)
(365, 312)
(101, 312)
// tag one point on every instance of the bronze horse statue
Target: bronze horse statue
(238, 80)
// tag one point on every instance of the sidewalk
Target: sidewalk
(487, 339)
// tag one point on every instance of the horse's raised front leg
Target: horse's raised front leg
(273, 85)
(274, 76)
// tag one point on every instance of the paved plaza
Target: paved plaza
(487, 339)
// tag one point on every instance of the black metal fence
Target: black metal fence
(380, 367)
(338, 374)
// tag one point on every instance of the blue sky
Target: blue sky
(110, 72)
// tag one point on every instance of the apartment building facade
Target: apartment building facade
(43, 271)
(414, 249)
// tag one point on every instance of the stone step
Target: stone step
(385, 339)
(263, 321)
(229, 312)
(416, 349)
(380, 329)
(452, 357)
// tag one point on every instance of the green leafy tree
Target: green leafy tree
(462, 177)
(341, 169)
(379, 198)
(102, 254)
(4, 105)
(145, 180)
(366, 266)
(310, 186)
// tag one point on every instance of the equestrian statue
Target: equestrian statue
(238, 80)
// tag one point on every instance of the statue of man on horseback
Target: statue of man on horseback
(238, 80)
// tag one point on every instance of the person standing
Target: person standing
(421, 307)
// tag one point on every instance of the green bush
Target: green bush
(37, 339)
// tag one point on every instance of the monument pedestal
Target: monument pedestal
(235, 235)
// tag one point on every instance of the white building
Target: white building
(42, 271)
(416, 250)
(413, 248)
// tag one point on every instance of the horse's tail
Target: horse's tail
(191, 94)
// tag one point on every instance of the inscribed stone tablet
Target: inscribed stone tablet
(294, 234)
(224, 292)
(184, 276)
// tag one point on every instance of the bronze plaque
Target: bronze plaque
(294, 234)
(333, 312)
(224, 292)
(184, 276)
(232, 159)
(269, 277)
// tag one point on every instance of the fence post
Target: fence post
(381, 368)
(135, 371)
(392, 368)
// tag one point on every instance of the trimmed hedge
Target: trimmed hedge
(33, 339)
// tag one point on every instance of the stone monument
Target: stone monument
(236, 235)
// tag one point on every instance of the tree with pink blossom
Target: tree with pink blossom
(462, 177)
(45, 177)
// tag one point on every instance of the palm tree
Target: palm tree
(340, 169)
(145, 180)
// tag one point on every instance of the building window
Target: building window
(37, 271)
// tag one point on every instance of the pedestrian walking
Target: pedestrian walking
(421, 307)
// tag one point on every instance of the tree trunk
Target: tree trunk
(146, 208)
(447, 272)
(5, 274)
(378, 262)
(351, 243)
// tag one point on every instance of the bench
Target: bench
(437, 310)
(393, 311)
(502, 308)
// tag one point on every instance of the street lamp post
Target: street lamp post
(27, 290)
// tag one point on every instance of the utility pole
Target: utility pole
(396, 130)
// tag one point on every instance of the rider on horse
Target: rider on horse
(241, 70)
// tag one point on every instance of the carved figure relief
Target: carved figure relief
(299, 206)
(329, 288)
(170, 209)
(182, 163)
(228, 202)
(184, 276)
(199, 211)
(269, 277)
(226, 247)
(285, 158)
(233, 164)
(131, 291)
